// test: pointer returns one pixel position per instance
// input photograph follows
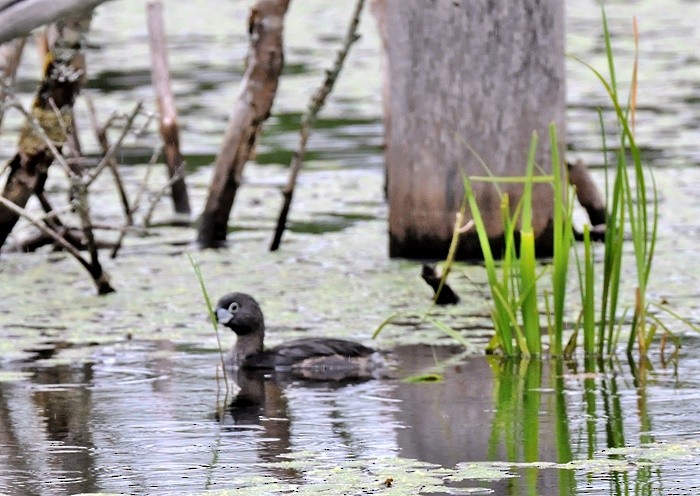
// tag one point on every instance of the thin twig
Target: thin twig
(101, 135)
(116, 145)
(137, 201)
(309, 119)
(177, 175)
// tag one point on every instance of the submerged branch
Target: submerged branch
(100, 278)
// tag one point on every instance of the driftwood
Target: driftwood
(264, 64)
(169, 128)
(309, 119)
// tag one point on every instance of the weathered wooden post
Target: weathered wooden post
(169, 128)
(466, 81)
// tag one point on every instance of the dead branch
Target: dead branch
(63, 77)
(137, 202)
(20, 18)
(169, 128)
(587, 192)
(100, 278)
(10, 54)
(116, 145)
(160, 194)
(101, 135)
(265, 60)
(309, 119)
(444, 295)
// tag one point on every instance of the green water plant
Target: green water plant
(633, 213)
(513, 278)
(212, 316)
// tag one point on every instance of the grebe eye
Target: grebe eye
(234, 307)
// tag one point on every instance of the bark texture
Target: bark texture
(265, 60)
(466, 81)
(64, 72)
(169, 128)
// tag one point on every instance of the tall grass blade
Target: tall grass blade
(608, 48)
(212, 316)
(452, 333)
(530, 313)
(528, 277)
(501, 320)
(589, 294)
(563, 230)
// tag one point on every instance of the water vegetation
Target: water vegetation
(518, 303)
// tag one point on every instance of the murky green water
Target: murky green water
(119, 394)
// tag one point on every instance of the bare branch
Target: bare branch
(102, 282)
(309, 119)
(116, 145)
(101, 135)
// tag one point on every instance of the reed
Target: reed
(513, 284)
(212, 316)
(513, 281)
(631, 210)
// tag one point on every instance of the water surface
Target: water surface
(120, 393)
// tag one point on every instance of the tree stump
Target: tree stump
(466, 84)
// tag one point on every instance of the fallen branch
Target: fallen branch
(309, 119)
(101, 135)
(99, 277)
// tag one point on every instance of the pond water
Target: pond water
(148, 417)
(120, 394)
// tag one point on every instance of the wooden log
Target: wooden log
(169, 128)
(19, 17)
(252, 107)
(467, 81)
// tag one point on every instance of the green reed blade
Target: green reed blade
(589, 295)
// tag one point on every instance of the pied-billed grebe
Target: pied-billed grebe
(312, 358)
